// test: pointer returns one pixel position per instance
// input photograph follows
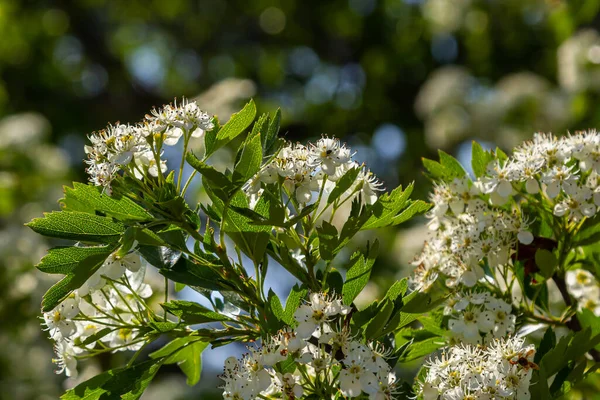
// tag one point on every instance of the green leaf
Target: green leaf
(163, 326)
(453, 168)
(421, 302)
(548, 342)
(480, 159)
(446, 170)
(500, 155)
(334, 282)
(328, 239)
(77, 276)
(186, 352)
(195, 275)
(95, 337)
(292, 303)
(88, 198)
(343, 184)
(210, 137)
(251, 239)
(119, 383)
(546, 262)
(377, 324)
(193, 313)
(260, 127)
(394, 208)
(249, 160)
(80, 226)
(359, 273)
(234, 127)
(422, 348)
(416, 207)
(589, 233)
(63, 260)
(275, 312)
(217, 179)
(270, 139)
(570, 347)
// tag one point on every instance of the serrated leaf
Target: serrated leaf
(63, 260)
(271, 137)
(163, 326)
(85, 268)
(421, 302)
(422, 348)
(188, 358)
(292, 303)
(96, 336)
(274, 313)
(119, 383)
(394, 208)
(210, 137)
(453, 168)
(195, 275)
(251, 239)
(359, 273)
(343, 184)
(209, 173)
(480, 159)
(79, 226)
(249, 162)
(416, 207)
(90, 199)
(334, 282)
(436, 170)
(234, 127)
(546, 261)
(377, 324)
(328, 239)
(193, 313)
(548, 342)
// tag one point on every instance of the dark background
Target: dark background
(396, 79)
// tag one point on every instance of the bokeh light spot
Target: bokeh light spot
(389, 141)
(272, 20)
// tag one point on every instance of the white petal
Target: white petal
(525, 237)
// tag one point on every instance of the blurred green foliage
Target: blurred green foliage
(395, 78)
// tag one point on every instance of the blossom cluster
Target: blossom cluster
(479, 317)
(500, 370)
(470, 224)
(325, 359)
(110, 305)
(305, 170)
(138, 148)
(465, 230)
(584, 287)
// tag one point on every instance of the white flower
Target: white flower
(559, 177)
(369, 186)
(59, 321)
(65, 359)
(577, 205)
(498, 179)
(312, 317)
(356, 376)
(328, 154)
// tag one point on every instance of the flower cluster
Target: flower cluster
(137, 148)
(584, 287)
(479, 317)
(465, 230)
(470, 224)
(304, 170)
(326, 360)
(500, 370)
(109, 307)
